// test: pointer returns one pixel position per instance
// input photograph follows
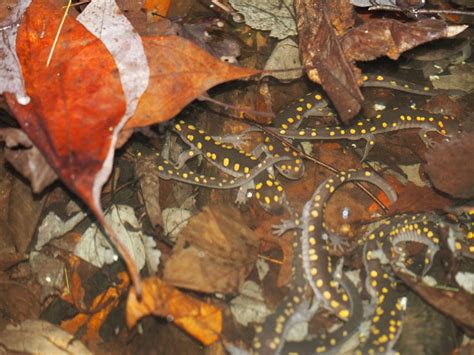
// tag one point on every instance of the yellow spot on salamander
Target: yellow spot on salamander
(327, 295)
(344, 314)
(379, 78)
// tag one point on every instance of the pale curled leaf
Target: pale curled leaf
(40, 337)
(105, 20)
(97, 250)
(11, 79)
(272, 15)
(27, 159)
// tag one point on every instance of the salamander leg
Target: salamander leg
(236, 140)
(370, 142)
(242, 194)
(285, 225)
(423, 133)
(185, 156)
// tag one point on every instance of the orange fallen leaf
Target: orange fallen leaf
(201, 320)
(180, 71)
(102, 305)
(159, 7)
(77, 104)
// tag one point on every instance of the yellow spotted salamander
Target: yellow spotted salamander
(312, 265)
(388, 82)
(234, 162)
(387, 121)
(386, 321)
(331, 343)
(425, 228)
(420, 228)
(378, 258)
(315, 104)
(316, 258)
(168, 171)
(461, 237)
(247, 172)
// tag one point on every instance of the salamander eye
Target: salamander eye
(345, 213)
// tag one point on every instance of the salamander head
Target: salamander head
(270, 194)
(450, 126)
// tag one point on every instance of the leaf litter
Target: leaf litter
(216, 252)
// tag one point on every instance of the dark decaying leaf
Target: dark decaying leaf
(17, 302)
(457, 305)
(149, 181)
(24, 211)
(215, 252)
(449, 169)
(10, 258)
(388, 37)
(414, 198)
(320, 49)
(27, 159)
(328, 49)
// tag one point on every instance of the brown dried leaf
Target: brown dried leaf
(10, 258)
(418, 199)
(149, 180)
(389, 37)
(24, 211)
(17, 302)
(27, 159)
(40, 337)
(215, 252)
(449, 167)
(457, 305)
(320, 49)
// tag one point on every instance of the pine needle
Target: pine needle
(57, 34)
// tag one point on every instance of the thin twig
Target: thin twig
(420, 11)
(292, 147)
(321, 163)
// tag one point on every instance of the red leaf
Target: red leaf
(77, 103)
